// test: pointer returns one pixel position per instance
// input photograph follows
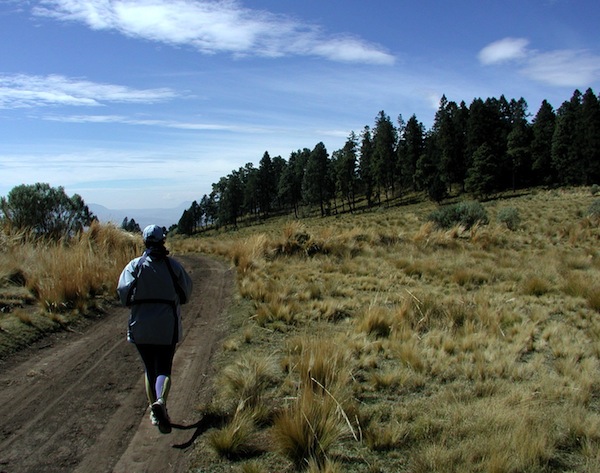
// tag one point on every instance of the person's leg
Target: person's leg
(164, 362)
(162, 386)
(164, 365)
(149, 359)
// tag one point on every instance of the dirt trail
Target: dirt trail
(76, 403)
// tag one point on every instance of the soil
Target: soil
(75, 401)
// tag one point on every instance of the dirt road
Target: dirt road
(75, 402)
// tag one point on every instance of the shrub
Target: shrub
(594, 209)
(509, 216)
(595, 189)
(465, 214)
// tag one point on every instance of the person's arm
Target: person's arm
(184, 281)
(125, 282)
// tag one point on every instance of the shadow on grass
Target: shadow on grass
(211, 420)
(208, 421)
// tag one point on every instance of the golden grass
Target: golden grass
(65, 277)
(233, 440)
(308, 428)
(244, 383)
(410, 349)
(374, 342)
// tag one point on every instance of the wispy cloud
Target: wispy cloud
(212, 27)
(563, 68)
(568, 68)
(174, 124)
(504, 50)
(28, 91)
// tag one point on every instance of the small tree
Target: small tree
(482, 175)
(130, 226)
(46, 211)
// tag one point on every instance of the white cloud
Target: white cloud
(27, 91)
(135, 121)
(213, 27)
(504, 50)
(569, 68)
(563, 68)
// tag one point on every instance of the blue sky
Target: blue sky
(146, 103)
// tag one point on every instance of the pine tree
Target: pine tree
(449, 141)
(267, 185)
(519, 145)
(413, 145)
(481, 178)
(316, 186)
(345, 170)
(567, 153)
(385, 138)
(541, 144)
(590, 132)
(365, 165)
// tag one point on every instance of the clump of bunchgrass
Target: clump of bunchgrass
(536, 285)
(233, 440)
(308, 428)
(275, 312)
(376, 320)
(248, 254)
(319, 364)
(470, 277)
(386, 436)
(593, 298)
(247, 380)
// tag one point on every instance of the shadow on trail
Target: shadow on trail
(208, 421)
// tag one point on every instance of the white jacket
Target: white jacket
(154, 292)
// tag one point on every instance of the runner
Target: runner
(154, 285)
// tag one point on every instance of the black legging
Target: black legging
(158, 360)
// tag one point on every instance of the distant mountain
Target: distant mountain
(143, 217)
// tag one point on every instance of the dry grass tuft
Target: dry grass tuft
(233, 441)
(536, 286)
(319, 364)
(248, 255)
(246, 382)
(593, 299)
(308, 429)
(377, 321)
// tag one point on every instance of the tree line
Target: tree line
(487, 147)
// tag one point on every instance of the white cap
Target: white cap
(154, 233)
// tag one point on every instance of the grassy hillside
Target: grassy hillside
(375, 342)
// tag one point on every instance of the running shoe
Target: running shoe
(153, 418)
(160, 412)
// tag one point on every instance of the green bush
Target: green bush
(595, 189)
(465, 214)
(510, 217)
(594, 209)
